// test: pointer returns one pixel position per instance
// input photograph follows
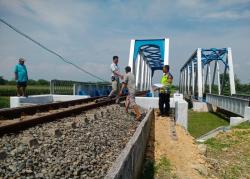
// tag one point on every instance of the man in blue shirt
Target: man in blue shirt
(21, 77)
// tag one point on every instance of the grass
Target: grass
(200, 123)
(157, 169)
(4, 102)
(230, 153)
(10, 90)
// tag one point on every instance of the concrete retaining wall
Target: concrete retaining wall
(42, 99)
(129, 163)
(152, 102)
(200, 106)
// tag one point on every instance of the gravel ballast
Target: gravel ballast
(83, 146)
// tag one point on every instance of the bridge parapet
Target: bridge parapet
(235, 105)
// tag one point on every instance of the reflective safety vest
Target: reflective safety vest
(166, 84)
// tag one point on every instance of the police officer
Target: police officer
(164, 95)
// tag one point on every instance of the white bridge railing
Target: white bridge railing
(228, 103)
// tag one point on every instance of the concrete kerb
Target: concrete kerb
(129, 163)
(234, 121)
(213, 133)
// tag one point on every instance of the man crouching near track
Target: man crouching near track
(129, 82)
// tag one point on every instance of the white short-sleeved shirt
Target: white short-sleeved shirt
(114, 67)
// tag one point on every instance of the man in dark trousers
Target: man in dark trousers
(21, 77)
(164, 95)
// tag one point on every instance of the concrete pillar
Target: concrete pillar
(181, 113)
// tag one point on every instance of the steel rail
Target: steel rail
(30, 110)
(15, 126)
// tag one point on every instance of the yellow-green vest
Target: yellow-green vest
(166, 85)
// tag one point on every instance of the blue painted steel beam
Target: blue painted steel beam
(153, 50)
(208, 55)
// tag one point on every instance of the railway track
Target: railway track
(15, 119)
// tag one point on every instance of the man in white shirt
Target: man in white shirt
(115, 76)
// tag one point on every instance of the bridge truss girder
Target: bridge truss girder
(195, 75)
(145, 57)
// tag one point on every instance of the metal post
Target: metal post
(215, 67)
(184, 81)
(180, 81)
(209, 78)
(188, 85)
(138, 72)
(231, 71)
(74, 89)
(218, 77)
(166, 51)
(148, 78)
(206, 76)
(192, 78)
(131, 55)
(145, 76)
(199, 75)
(52, 87)
(142, 75)
(203, 79)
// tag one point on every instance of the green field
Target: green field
(4, 102)
(10, 90)
(200, 123)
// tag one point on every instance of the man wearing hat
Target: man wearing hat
(21, 77)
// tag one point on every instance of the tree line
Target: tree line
(41, 82)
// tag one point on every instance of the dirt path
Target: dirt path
(183, 154)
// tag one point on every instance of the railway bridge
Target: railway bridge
(99, 137)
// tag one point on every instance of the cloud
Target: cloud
(229, 15)
(89, 33)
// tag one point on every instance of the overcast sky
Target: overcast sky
(90, 32)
